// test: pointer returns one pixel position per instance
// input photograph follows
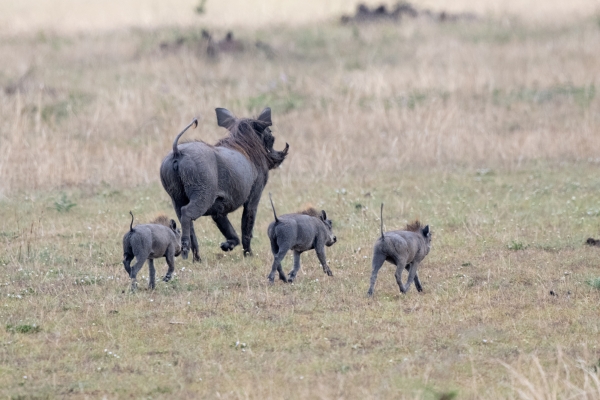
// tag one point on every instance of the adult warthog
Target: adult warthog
(215, 180)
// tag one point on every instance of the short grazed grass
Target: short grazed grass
(488, 131)
(218, 327)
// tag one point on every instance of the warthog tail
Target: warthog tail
(131, 224)
(175, 149)
(273, 207)
(382, 220)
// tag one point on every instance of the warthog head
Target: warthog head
(244, 132)
(328, 223)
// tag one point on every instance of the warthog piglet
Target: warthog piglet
(299, 232)
(161, 238)
(403, 248)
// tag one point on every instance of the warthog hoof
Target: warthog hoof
(248, 253)
(166, 278)
(227, 246)
(329, 273)
(184, 253)
(370, 293)
(197, 257)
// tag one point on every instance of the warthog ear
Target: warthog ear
(265, 116)
(173, 225)
(323, 215)
(426, 231)
(225, 118)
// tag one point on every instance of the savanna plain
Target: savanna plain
(488, 130)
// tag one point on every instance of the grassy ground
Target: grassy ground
(488, 131)
(502, 241)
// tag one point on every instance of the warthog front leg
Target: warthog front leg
(322, 259)
(412, 273)
(170, 256)
(227, 230)
(195, 247)
(378, 260)
(248, 219)
(400, 265)
(418, 282)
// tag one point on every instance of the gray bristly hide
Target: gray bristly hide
(149, 242)
(299, 232)
(207, 180)
(403, 248)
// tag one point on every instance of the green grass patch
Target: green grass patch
(24, 328)
(594, 282)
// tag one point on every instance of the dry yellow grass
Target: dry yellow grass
(89, 110)
(488, 131)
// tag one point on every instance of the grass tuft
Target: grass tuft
(516, 245)
(25, 328)
(63, 204)
(594, 282)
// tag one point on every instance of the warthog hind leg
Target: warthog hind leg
(196, 208)
(152, 281)
(294, 271)
(378, 260)
(227, 230)
(400, 265)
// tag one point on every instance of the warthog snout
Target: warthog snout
(331, 242)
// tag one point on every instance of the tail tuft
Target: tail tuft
(175, 149)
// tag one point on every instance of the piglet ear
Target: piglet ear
(173, 224)
(225, 118)
(323, 215)
(426, 231)
(265, 116)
